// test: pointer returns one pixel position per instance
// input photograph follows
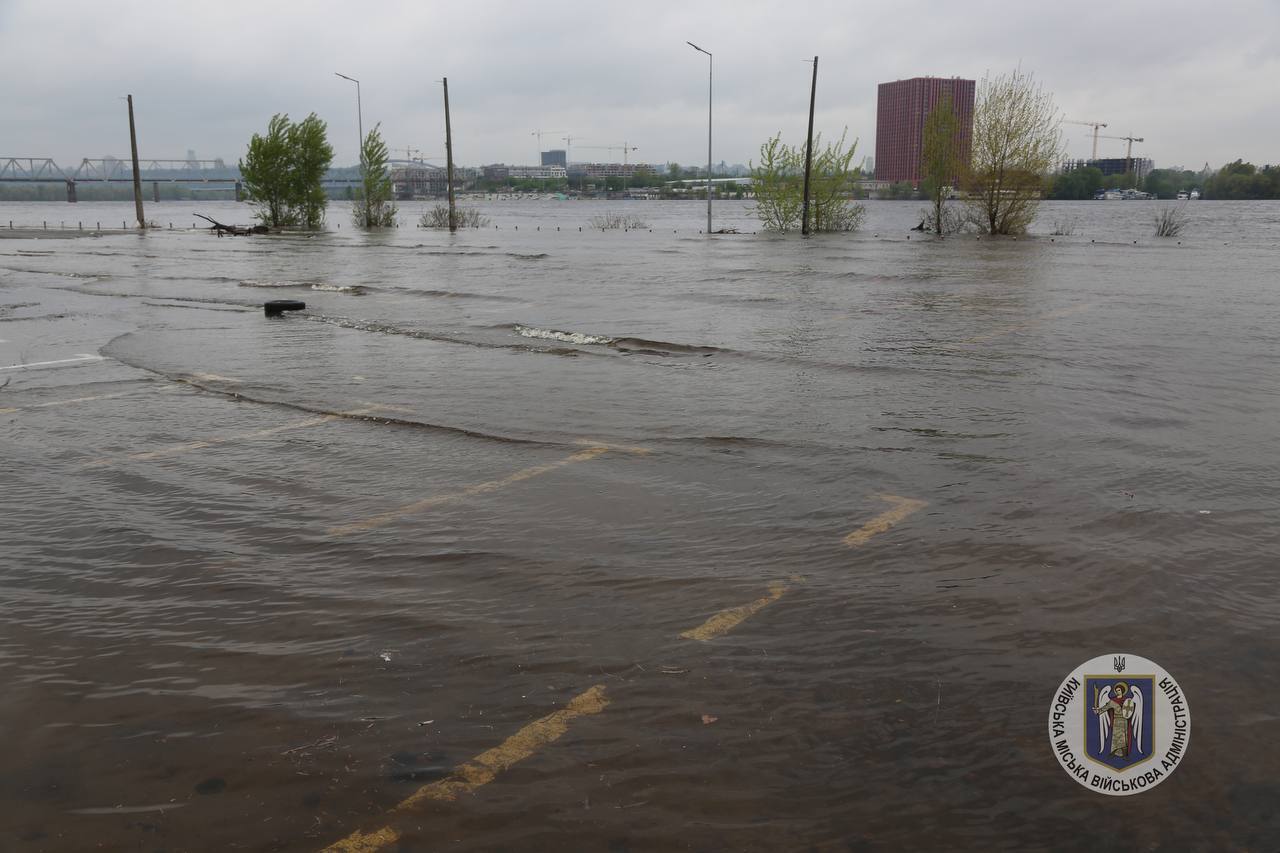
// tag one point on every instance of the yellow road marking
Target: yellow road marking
(243, 436)
(902, 507)
(1017, 327)
(65, 402)
(482, 769)
(623, 448)
(383, 519)
(360, 842)
(726, 620)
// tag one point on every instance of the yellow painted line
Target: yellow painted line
(66, 402)
(726, 620)
(481, 770)
(214, 377)
(902, 508)
(385, 518)
(623, 448)
(1018, 327)
(227, 439)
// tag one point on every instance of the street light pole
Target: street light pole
(360, 147)
(808, 153)
(448, 148)
(710, 62)
(137, 176)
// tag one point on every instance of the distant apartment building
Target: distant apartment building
(1141, 166)
(423, 180)
(901, 110)
(418, 180)
(501, 172)
(543, 172)
(609, 170)
(555, 157)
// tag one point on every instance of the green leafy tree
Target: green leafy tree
(1077, 183)
(778, 186)
(266, 170)
(1017, 140)
(831, 186)
(940, 158)
(778, 182)
(283, 170)
(373, 207)
(1123, 181)
(644, 178)
(312, 155)
(900, 190)
(1240, 180)
(1167, 183)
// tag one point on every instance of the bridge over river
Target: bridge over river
(45, 170)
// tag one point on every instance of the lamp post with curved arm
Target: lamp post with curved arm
(360, 147)
(710, 62)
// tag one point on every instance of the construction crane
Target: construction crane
(540, 133)
(568, 146)
(410, 152)
(624, 148)
(1128, 151)
(1095, 125)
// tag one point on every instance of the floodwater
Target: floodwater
(458, 533)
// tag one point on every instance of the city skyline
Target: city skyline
(632, 79)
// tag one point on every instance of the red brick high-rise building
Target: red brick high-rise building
(901, 110)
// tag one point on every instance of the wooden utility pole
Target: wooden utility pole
(808, 152)
(137, 176)
(448, 150)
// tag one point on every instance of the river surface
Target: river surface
(478, 506)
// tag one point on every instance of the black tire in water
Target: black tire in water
(276, 307)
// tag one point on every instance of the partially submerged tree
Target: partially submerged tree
(266, 171)
(463, 217)
(1016, 142)
(312, 156)
(778, 183)
(831, 186)
(940, 156)
(373, 206)
(283, 170)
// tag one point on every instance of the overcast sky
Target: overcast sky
(1198, 81)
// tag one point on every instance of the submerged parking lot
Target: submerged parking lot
(539, 539)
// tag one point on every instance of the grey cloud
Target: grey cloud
(206, 77)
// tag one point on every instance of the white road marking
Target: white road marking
(80, 357)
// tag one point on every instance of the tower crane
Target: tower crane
(540, 133)
(624, 148)
(410, 152)
(568, 146)
(1128, 151)
(1095, 125)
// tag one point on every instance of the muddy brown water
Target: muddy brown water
(264, 579)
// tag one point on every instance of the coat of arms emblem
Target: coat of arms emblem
(1121, 737)
(1119, 724)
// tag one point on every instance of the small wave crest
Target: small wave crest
(624, 344)
(355, 289)
(564, 337)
